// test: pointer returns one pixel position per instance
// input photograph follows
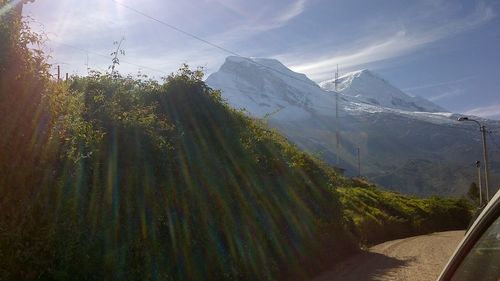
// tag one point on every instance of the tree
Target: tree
(473, 192)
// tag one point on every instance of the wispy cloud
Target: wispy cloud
(261, 20)
(447, 94)
(486, 111)
(440, 84)
(289, 13)
(93, 25)
(399, 43)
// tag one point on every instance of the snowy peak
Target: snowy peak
(272, 67)
(263, 86)
(351, 78)
(368, 87)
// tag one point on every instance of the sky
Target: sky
(445, 51)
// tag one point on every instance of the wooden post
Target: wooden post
(359, 163)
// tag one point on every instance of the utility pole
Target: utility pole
(482, 128)
(87, 63)
(485, 156)
(336, 93)
(58, 73)
(359, 163)
(478, 165)
(337, 135)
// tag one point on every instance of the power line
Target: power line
(346, 99)
(105, 56)
(189, 34)
(355, 99)
(213, 45)
(218, 46)
(176, 28)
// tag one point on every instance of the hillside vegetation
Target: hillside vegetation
(110, 177)
(378, 216)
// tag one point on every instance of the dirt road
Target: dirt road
(418, 258)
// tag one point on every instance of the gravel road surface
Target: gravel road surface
(419, 258)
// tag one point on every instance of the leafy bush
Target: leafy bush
(146, 180)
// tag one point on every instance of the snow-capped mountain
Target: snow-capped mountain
(264, 86)
(406, 144)
(368, 87)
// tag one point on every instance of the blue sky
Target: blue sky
(445, 51)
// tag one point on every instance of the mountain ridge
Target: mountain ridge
(388, 137)
(369, 87)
